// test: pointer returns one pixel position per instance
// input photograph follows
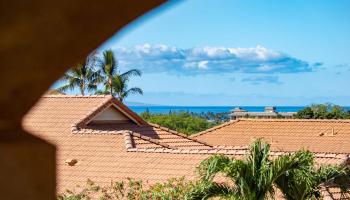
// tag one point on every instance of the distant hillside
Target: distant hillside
(131, 103)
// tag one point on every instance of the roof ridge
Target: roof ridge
(149, 139)
(247, 147)
(268, 120)
(179, 134)
(215, 128)
(107, 102)
(128, 140)
(125, 108)
(74, 96)
(341, 156)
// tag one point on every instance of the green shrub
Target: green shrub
(183, 122)
(173, 189)
(323, 111)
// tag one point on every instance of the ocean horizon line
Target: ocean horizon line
(213, 109)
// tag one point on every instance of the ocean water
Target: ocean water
(214, 109)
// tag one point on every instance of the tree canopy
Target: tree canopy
(100, 71)
(183, 122)
(323, 111)
(81, 76)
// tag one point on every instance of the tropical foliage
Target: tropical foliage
(108, 66)
(257, 176)
(54, 92)
(307, 183)
(133, 190)
(214, 117)
(119, 87)
(183, 122)
(116, 83)
(323, 111)
(81, 76)
(103, 71)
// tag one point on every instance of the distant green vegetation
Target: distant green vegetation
(184, 122)
(323, 111)
(216, 117)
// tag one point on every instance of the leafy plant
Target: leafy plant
(175, 188)
(120, 87)
(323, 111)
(114, 82)
(85, 193)
(81, 76)
(256, 177)
(183, 122)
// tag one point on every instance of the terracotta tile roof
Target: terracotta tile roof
(332, 136)
(112, 152)
(156, 133)
(106, 152)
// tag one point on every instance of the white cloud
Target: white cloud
(170, 59)
(203, 64)
(262, 79)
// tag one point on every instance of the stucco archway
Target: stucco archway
(39, 40)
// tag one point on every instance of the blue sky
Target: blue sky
(239, 52)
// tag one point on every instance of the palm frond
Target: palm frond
(63, 88)
(134, 90)
(258, 176)
(206, 190)
(304, 182)
(91, 87)
(109, 63)
(334, 175)
(123, 94)
(219, 163)
(132, 72)
(101, 92)
(81, 76)
(73, 82)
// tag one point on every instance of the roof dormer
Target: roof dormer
(110, 114)
(111, 111)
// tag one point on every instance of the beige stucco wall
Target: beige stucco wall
(110, 114)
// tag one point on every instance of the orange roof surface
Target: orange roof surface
(331, 136)
(116, 151)
(108, 152)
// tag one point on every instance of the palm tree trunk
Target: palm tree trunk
(82, 89)
(110, 86)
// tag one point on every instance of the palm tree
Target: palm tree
(307, 183)
(120, 87)
(108, 66)
(116, 84)
(81, 76)
(256, 177)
